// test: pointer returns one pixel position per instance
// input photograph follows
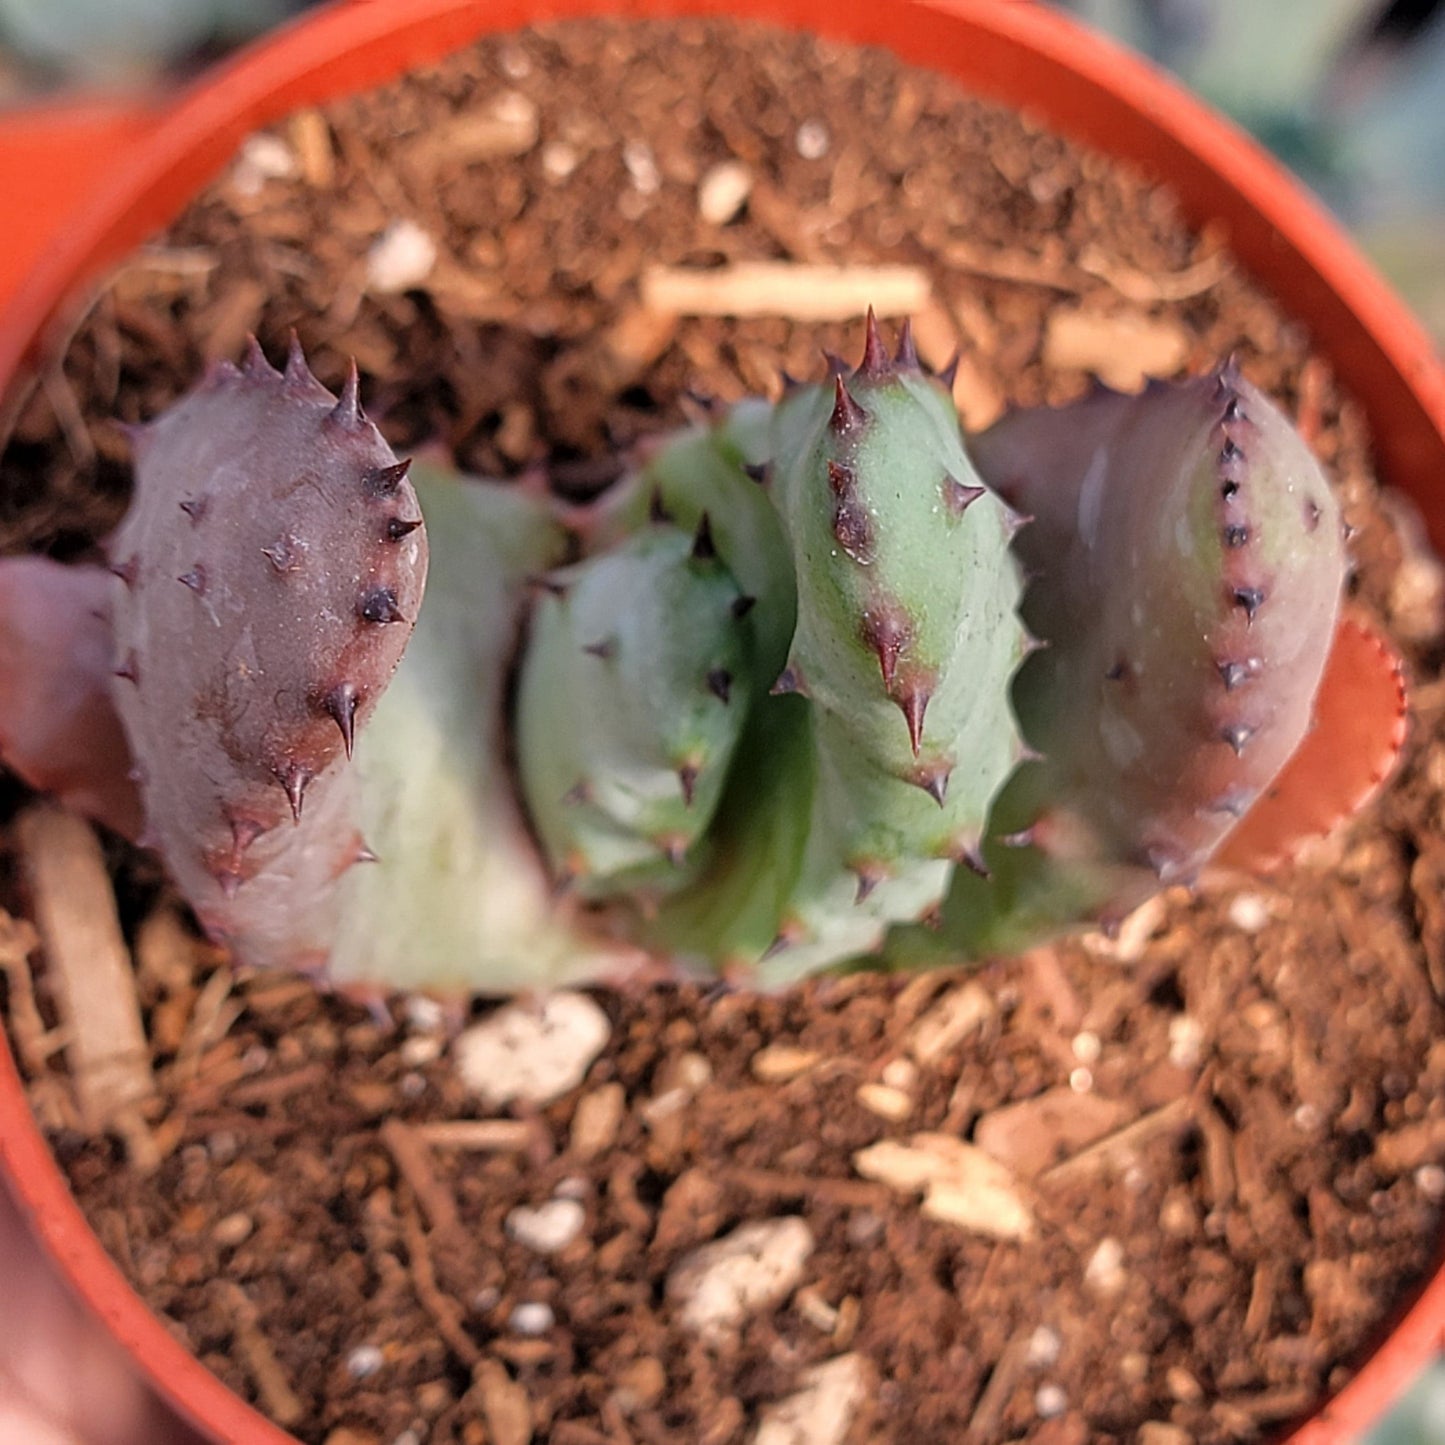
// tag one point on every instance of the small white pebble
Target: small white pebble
(1050, 1401)
(812, 140)
(694, 1072)
(535, 1051)
(1186, 1041)
(485, 1299)
(364, 1361)
(256, 1058)
(891, 1104)
(1134, 1367)
(574, 1186)
(959, 1014)
(1248, 912)
(1104, 1273)
(1044, 1346)
(535, 1317)
(1177, 1215)
(641, 167)
(407, 1437)
(412, 1086)
(424, 1014)
(1081, 1080)
(518, 111)
(723, 192)
(420, 1049)
(1129, 943)
(400, 258)
(1307, 1118)
(823, 1411)
(234, 1229)
(718, 1285)
(1430, 1181)
(1417, 598)
(263, 158)
(1087, 1047)
(777, 1063)
(559, 160)
(548, 1227)
(900, 1074)
(1182, 1385)
(515, 63)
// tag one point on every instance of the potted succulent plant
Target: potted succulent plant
(819, 647)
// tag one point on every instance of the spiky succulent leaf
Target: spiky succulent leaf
(270, 569)
(727, 917)
(844, 900)
(458, 898)
(1188, 560)
(775, 901)
(637, 678)
(716, 470)
(58, 726)
(907, 639)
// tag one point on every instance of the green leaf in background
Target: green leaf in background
(1420, 1417)
(115, 41)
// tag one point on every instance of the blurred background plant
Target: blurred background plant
(45, 44)
(1419, 1419)
(1349, 93)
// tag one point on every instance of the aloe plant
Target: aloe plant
(780, 697)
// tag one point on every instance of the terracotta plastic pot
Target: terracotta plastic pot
(90, 185)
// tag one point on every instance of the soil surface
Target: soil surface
(1216, 1140)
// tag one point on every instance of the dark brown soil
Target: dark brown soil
(1266, 1066)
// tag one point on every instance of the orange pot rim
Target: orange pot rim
(1010, 50)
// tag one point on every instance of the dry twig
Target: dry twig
(281, 1401)
(211, 1021)
(502, 1136)
(95, 984)
(988, 1412)
(445, 1312)
(1148, 287)
(18, 940)
(1017, 267)
(52, 1102)
(781, 288)
(775, 1184)
(413, 1162)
